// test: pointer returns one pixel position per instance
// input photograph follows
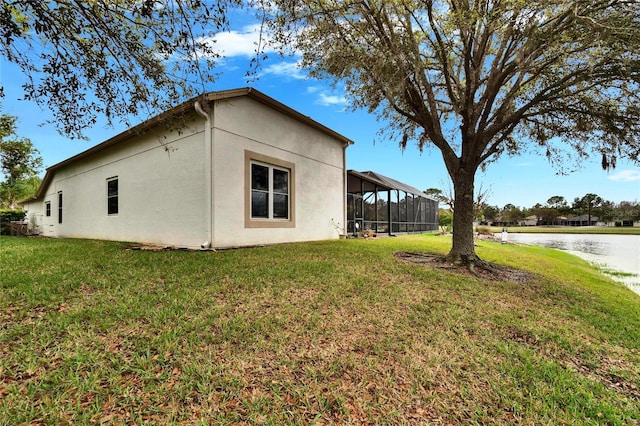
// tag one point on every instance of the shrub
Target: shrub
(484, 230)
(7, 216)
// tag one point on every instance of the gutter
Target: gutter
(208, 244)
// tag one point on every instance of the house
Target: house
(238, 169)
(584, 220)
(531, 220)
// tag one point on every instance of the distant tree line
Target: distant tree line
(557, 210)
(590, 208)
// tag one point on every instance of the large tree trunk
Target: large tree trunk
(463, 251)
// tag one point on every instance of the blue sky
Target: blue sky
(523, 181)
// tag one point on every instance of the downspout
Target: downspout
(345, 183)
(208, 166)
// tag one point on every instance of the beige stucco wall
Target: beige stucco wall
(162, 179)
(242, 124)
(160, 200)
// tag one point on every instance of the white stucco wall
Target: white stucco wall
(160, 198)
(162, 182)
(244, 124)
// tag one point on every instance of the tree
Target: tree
(480, 78)
(548, 214)
(83, 59)
(19, 164)
(449, 199)
(557, 202)
(542, 213)
(606, 212)
(588, 203)
(440, 196)
(445, 219)
(512, 214)
(627, 210)
(491, 213)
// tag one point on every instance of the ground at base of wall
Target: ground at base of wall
(154, 247)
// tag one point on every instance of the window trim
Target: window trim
(47, 208)
(116, 196)
(249, 222)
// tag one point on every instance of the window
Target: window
(60, 207)
(269, 200)
(47, 208)
(112, 196)
(269, 192)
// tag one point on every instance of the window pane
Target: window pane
(259, 177)
(112, 205)
(259, 204)
(280, 206)
(280, 181)
(112, 187)
(59, 207)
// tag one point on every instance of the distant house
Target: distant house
(238, 168)
(529, 221)
(242, 169)
(584, 220)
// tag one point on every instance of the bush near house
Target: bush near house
(7, 216)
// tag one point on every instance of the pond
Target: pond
(616, 253)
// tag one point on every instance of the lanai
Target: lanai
(387, 206)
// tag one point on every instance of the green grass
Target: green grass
(316, 333)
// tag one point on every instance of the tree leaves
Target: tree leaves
(478, 79)
(117, 59)
(20, 163)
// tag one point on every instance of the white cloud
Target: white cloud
(286, 69)
(243, 42)
(293, 70)
(328, 100)
(626, 176)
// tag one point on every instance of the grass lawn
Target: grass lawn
(335, 332)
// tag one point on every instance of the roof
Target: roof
(387, 182)
(181, 109)
(583, 218)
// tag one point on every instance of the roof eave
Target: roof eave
(185, 106)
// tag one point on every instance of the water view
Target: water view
(619, 254)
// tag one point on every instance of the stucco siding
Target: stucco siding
(242, 125)
(160, 191)
(191, 187)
